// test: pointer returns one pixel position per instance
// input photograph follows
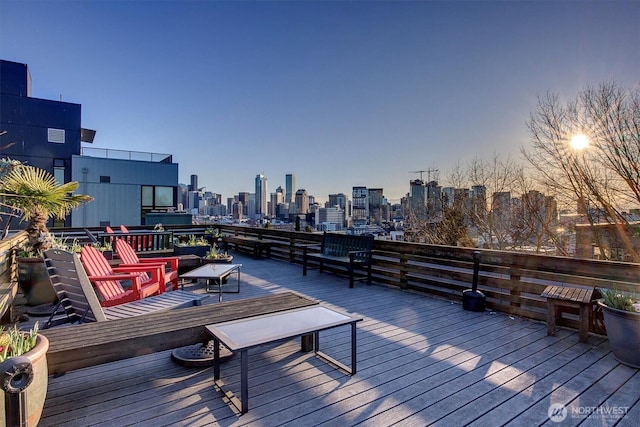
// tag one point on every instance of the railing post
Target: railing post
(403, 271)
(514, 277)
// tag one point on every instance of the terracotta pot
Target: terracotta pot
(36, 391)
(34, 282)
(623, 330)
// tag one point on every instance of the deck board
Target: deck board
(421, 361)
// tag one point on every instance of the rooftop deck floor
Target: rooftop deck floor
(421, 361)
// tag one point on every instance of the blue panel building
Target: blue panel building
(49, 135)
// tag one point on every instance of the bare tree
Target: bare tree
(604, 177)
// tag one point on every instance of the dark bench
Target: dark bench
(91, 344)
(257, 246)
(346, 250)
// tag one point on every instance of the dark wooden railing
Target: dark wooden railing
(512, 282)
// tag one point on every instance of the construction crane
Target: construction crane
(428, 171)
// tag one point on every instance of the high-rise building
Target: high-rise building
(360, 208)
(302, 201)
(417, 198)
(261, 196)
(194, 183)
(339, 199)
(277, 199)
(376, 202)
(290, 185)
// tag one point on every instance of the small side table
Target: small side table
(579, 298)
(215, 275)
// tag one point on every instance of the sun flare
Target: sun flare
(579, 141)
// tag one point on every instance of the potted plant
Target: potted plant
(106, 248)
(35, 196)
(621, 312)
(216, 255)
(15, 347)
(191, 246)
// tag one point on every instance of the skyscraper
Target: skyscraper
(302, 201)
(290, 185)
(194, 183)
(261, 196)
(360, 209)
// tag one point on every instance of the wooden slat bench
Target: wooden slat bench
(347, 250)
(91, 344)
(559, 296)
(257, 246)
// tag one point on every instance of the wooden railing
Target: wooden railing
(512, 282)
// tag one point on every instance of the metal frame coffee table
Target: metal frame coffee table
(244, 334)
(215, 274)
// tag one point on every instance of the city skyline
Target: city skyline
(341, 94)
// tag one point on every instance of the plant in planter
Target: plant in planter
(18, 351)
(191, 245)
(217, 255)
(622, 320)
(106, 248)
(35, 196)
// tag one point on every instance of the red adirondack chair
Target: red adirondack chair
(107, 279)
(169, 265)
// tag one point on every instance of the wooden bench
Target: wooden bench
(347, 250)
(91, 344)
(8, 291)
(257, 246)
(563, 296)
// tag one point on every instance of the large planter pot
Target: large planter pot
(623, 330)
(34, 281)
(36, 391)
(200, 251)
(220, 260)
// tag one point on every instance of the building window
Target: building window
(58, 170)
(157, 197)
(105, 179)
(55, 135)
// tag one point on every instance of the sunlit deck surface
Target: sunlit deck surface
(421, 361)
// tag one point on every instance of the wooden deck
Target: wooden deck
(421, 361)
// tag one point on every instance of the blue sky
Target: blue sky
(341, 94)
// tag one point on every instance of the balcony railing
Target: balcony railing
(512, 282)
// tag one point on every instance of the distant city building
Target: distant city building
(433, 194)
(194, 183)
(377, 203)
(290, 186)
(417, 199)
(302, 201)
(360, 206)
(330, 215)
(261, 196)
(277, 199)
(339, 199)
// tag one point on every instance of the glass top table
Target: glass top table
(243, 334)
(215, 275)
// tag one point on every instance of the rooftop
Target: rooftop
(421, 361)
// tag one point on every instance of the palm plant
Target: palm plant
(36, 196)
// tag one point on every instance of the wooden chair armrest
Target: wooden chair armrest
(156, 271)
(173, 261)
(114, 277)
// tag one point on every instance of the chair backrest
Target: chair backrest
(129, 256)
(126, 252)
(96, 264)
(74, 290)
